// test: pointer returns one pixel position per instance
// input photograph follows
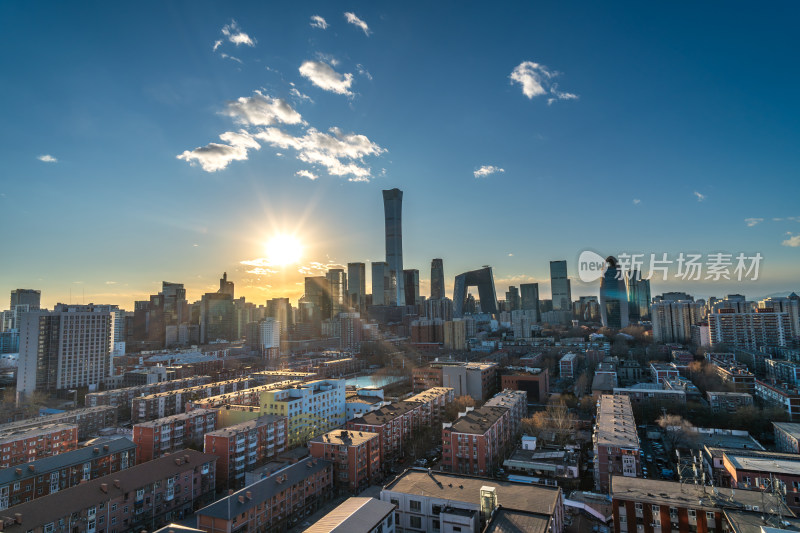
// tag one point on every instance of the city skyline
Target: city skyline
(105, 193)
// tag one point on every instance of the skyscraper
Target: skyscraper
(529, 298)
(27, 297)
(225, 286)
(512, 298)
(411, 284)
(437, 279)
(613, 296)
(560, 286)
(356, 285)
(337, 288)
(393, 209)
(380, 283)
(484, 280)
(318, 294)
(638, 296)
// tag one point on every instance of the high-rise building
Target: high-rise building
(270, 335)
(281, 310)
(638, 296)
(613, 297)
(437, 279)
(67, 348)
(337, 289)
(216, 317)
(560, 286)
(484, 280)
(318, 294)
(225, 286)
(790, 306)
(350, 331)
(29, 297)
(356, 286)
(411, 284)
(381, 286)
(673, 320)
(754, 331)
(513, 299)
(393, 209)
(529, 298)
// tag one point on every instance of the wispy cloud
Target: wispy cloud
(363, 71)
(636, 201)
(355, 21)
(323, 76)
(793, 241)
(700, 196)
(318, 22)
(753, 221)
(487, 170)
(215, 156)
(235, 35)
(300, 96)
(223, 55)
(262, 110)
(538, 80)
(306, 174)
(47, 158)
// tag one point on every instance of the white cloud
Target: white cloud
(323, 76)
(306, 174)
(262, 110)
(223, 55)
(354, 20)
(342, 154)
(537, 80)
(297, 94)
(363, 71)
(793, 241)
(235, 35)
(700, 196)
(487, 170)
(217, 44)
(318, 22)
(215, 156)
(753, 221)
(327, 58)
(636, 201)
(47, 158)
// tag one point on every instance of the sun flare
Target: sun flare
(284, 250)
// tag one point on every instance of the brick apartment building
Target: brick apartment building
(143, 497)
(355, 455)
(90, 420)
(394, 423)
(432, 404)
(534, 381)
(780, 395)
(757, 470)
(159, 405)
(340, 367)
(59, 472)
(787, 437)
(274, 503)
(616, 442)
(244, 446)
(568, 366)
(516, 401)
(166, 435)
(124, 396)
(426, 377)
(728, 402)
(19, 446)
(476, 441)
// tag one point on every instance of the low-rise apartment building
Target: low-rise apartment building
(142, 497)
(476, 441)
(432, 404)
(787, 436)
(728, 402)
(616, 442)
(19, 446)
(395, 423)
(166, 435)
(357, 515)
(568, 366)
(355, 455)
(244, 446)
(663, 371)
(89, 420)
(534, 381)
(426, 377)
(274, 503)
(759, 470)
(516, 401)
(779, 395)
(162, 404)
(59, 472)
(123, 397)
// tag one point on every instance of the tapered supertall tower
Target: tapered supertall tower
(393, 211)
(437, 279)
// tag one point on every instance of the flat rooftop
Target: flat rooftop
(7, 435)
(513, 521)
(461, 488)
(176, 418)
(792, 428)
(767, 462)
(478, 421)
(235, 429)
(615, 423)
(345, 437)
(355, 515)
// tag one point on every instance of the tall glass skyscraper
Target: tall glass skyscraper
(356, 285)
(560, 286)
(529, 298)
(393, 211)
(437, 279)
(638, 296)
(613, 296)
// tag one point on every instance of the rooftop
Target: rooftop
(345, 437)
(430, 394)
(36, 513)
(512, 521)
(603, 382)
(615, 423)
(507, 397)
(792, 428)
(263, 490)
(777, 463)
(478, 421)
(461, 488)
(675, 494)
(246, 426)
(386, 413)
(12, 434)
(176, 418)
(355, 515)
(753, 522)
(568, 357)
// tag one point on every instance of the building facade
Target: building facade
(615, 442)
(172, 433)
(355, 456)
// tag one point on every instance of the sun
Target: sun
(284, 250)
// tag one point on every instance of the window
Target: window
(416, 522)
(709, 516)
(415, 506)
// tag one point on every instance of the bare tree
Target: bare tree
(458, 405)
(556, 418)
(677, 430)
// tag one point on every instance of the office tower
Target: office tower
(411, 284)
(513, 299)
(29, 297)
(613, 297)
(67, 348)
(270, 334)
(281, 310)
(393, 208)
(216, 317)
(560, 286)
(318, 294)
(673, 320)
(356, 285)
(337, 289)
(638, 296)
(225, 286)
(484, 280)
(380, 284)
(176, 308)
(588, 309)
(529, 298)
(437, 279)
(674, 297)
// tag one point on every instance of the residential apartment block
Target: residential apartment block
(728, 402)
(357, 515)
(754, 331)
(90, 420)
(355, 455)
(568, 366)
(162, 404)
(166, 435)
(123, 397)
(616, 442)
(394, 423)
(476, 442)
(779, 395)
(787, 436)
(19, 446)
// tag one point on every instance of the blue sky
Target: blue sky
(645, 128)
